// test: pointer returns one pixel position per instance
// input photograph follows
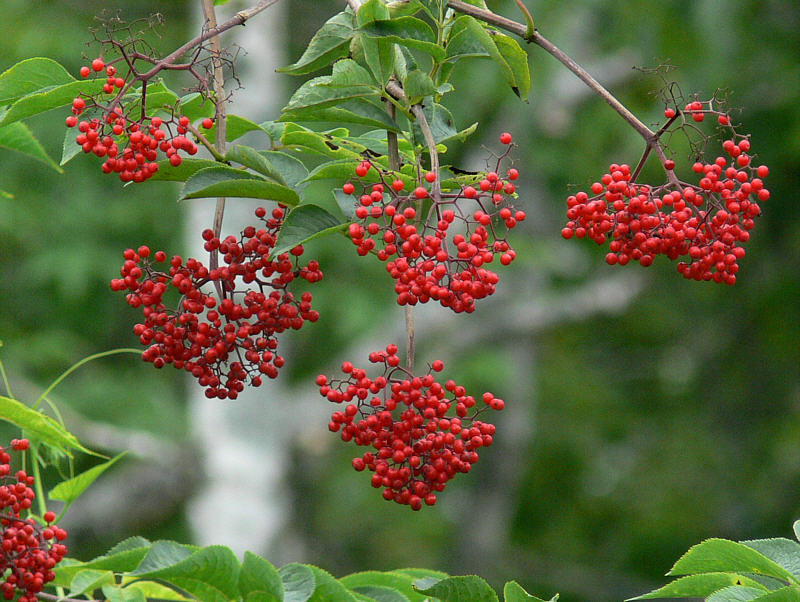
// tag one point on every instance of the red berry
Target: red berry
(85, 71)
(420, 192)
(208, 123)
(505, 138)
(98, 64)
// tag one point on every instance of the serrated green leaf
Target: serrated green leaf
(70, 148)
(406, 31)
(235, 128)
(16, 136)
(442, 126)
(251, 158)
(403, 8)
(195, 106)
(292, 169)
(358, 110)
(88, 580)
(68, 491)
(29, 76)
(517, 60)
(722, 555)
(39, 425)
(700, 586)
(316, 93)
(469, 588)
(154, 591)
(394, 581)
(258, 579)
(321, 143)
(514, 592)
(158, 96)
(123, 557)
(340, 169)
(211, 574)
(298, 582)
(327, 588)
(461, 44)
(273, 129)
(785, 594)
(417, 86)
(48, 99)
(305, 223)
(222, 181)
(734, 594)
(332, 41)
(115, 593)
(347, 74)
(783, 551)
(371, 10)
(378, 593)
(168, 173)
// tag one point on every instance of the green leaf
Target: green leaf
(222, 181)
(406, 31)
(421, 573)
(380, 594)
(700, 586)
(417, 86)
(403, 8)
(17, 136)
(784, 594)
(347, 74)
(181, 173)
(211, 574)
(722, 555)
(469, 588)
(442, 126)
(332, 41)
(363, 581)
(328, 589)
(68, 491)
(321, 143)
(220, 2)
(783, 551)
(235, 127)
(796, 528)
(305, 223)
(115, 593)
(462, 44)
(29, 76)
(123, 557)
(372, 10)
(6, 195)
(517, 60)
(251, 158)
(298, 582)
(52, 98)
(70, 148)
(195, 106)
(358, 110)
(292, 169)
(88, 580)
(257, 576)
(514, 592)
(340, 169)
(153, 591)
(317, 93)
(39, 425)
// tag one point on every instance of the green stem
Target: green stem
(74, 367)
(37, 480)
(5, 380)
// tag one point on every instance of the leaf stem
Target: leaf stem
(6, 383)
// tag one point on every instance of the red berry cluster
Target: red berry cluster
(224, 343)
(418, 452)
(29, 551)
(128, 139)
(436, 248)
(704, 223)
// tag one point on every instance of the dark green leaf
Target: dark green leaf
(407, 31)
(259, 576)
(378, 54)
(251, 158)
(316, 93)
(469, 588)
(224, 181)
(321, 143)
(358, 110)
(181, 173)
(163, 554)
(517, 60)
(721, 555)
(44, 428)
(17, 136)
(29, 76)
(340, 170)
(700, 586)
(305, 223)
(52, 98)
(442, 126)
(347, 74)
(404, 8)
(68, 491)
(195, 106)
(328, 589)
(292, 169)
(461, 43)
(273, 128)
(88, 580)
(331, 42)
(298, 582)
(417, 86)
(514, 592)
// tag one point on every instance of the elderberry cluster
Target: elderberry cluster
(704, 223)
(229, 342)
(418, 444)
(28, 551)
(436, 248)
(124, 134)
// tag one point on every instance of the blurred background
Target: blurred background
(643, 412)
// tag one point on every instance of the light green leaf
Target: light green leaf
(378, 593)
(220, 2)
(469, 588)
(88, 580)
(52, 98)
(517, 60)
(181, 173)
(796, 528)
(379, 55)
(347, 74)
(700, 586)
(417, 86)
(29, 76)
(153, 591)
(784, 594)
(735, 594)
(251, 158)
(360, 582)
(403, 8)
(195, 106)
(298, 582)
(70, 148)
(16, 136)
(305, 223)
(39, 425)
(442, 126)
(68, 491)
(257, 576)
(332, 41)
(235, 127)
(339, 169)
(291, 168)
(514, 592)
(224, 181)
(721, 555)
(115, 593)
(783, 551)
(358, 110)
(372, 10)
(407, 31)
(328, 589)
(316, 93)
(123, 557)
(321, 143)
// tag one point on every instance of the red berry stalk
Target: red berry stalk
(419, 445)
(229, 342)
(436, 248)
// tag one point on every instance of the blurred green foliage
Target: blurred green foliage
(646, 418)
